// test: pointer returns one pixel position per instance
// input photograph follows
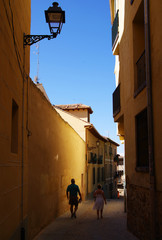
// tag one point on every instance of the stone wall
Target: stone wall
(159, 214)
(138, 211)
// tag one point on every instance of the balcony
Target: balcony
(100, 160)
(141, 74)
(115, 30)
(116, 101)
(93, 158)
(116, 175)
(116, 158)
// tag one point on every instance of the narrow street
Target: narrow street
(87, 227)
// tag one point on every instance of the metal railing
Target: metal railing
(116, 101)
(93, 158)
(100, 159)
(115, 29)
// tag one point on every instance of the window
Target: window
(98, 175)
(141, 72)
(93, 175)
(105, 149)
(111, 186)
(92, 158)
(114, 152)
(116, 101)
(14, 128)
(142, 140)
(103, 174)
(110, 151)
(82, 179)
(139, 50)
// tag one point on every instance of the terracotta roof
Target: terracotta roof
(74, 107)
(110, 140)
(93, 130)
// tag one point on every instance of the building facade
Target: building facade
(111, 168)
(95, 156)
(78, 116)
(40, 152)
(14, 72)
(137, 109)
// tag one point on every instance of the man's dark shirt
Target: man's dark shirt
(73, 189)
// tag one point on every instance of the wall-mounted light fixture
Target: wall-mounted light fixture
(97, 143)
(55, 18)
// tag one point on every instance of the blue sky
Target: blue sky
(78, 66)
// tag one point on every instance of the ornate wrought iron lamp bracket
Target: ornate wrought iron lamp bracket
(31, 39)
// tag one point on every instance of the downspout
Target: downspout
(22, 157)
(150, 120)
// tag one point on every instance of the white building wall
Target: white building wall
(82, 114)
(75, 122)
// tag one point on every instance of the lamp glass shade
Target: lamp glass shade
(55, 17)
(55, 20)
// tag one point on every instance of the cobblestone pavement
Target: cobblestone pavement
(87, 227)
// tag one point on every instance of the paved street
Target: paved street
(87, 227)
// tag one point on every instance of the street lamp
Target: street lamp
(55, 18)
(97, 143)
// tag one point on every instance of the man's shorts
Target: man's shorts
(73, 201)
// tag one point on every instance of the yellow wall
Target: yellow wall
(56, 154)
(131, 106)
(15, 15)
(156, 61)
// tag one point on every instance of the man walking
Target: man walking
(72, 194)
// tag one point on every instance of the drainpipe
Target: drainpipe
(22, 157)
(150, 120)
